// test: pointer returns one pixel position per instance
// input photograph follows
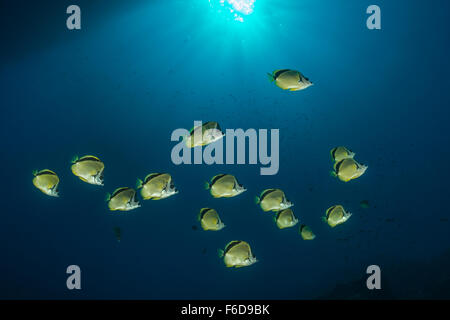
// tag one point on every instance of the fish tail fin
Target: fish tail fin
(108, 197)
(207, 185)
(139, 184)
(270, 77)
(74, 159)
(220, 253)
(333, 174)
(35, 172)
(257, 200)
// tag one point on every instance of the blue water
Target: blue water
(138, 70)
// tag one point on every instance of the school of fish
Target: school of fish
(158, 186)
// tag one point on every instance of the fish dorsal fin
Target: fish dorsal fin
(216, 178)
(151, 176)
(206, 124)
(45, 171)
(211, 125)
(118, 190)
(265, 193)
(279, 72)
(231, 245)
(86, 158)
(329, 211)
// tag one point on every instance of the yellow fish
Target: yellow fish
(89, 169)
(306, 233)
(47, 181)
(336, 215)
(210, 220)
(287, 79)
(285, 219)
(348, 169)
(224, 186)
(122, 199)
(273, 200)
(156, 186)
(238, 254)
(203, 135)
(341, 153)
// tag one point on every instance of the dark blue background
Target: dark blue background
(137, 70)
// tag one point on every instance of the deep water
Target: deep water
(137, 70)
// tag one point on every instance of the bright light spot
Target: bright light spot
(237, 8)
(243, 6)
